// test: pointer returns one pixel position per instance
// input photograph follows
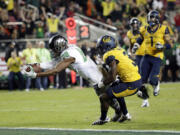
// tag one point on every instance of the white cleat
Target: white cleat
(27, 90)
(156, 89)
(125, 117)
(145, 103)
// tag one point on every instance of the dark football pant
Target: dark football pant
(150, 69)
(138, 61)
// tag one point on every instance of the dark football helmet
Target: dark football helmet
(105, 43)
(58, 43)
(134, 24)
(153, 18)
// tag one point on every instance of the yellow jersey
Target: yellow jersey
(126, 68)
(53, 25)
(30, 55)
(14, 64)
(108, 7)
(152, 38)
(133, 38)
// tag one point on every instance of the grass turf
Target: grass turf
(78, 108)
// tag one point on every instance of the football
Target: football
(28, 69)
(36, 67)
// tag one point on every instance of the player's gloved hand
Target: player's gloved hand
(135, 47)
(29, 73)
(159, 46)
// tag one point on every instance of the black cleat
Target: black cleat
(101, 122)
(143, 93)
(124, 118)
(116, 117)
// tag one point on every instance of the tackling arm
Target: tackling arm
(111, 77)
(60, 66)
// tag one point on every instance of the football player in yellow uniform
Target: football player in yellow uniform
(133, 34)
(120, 65)
(156, 38)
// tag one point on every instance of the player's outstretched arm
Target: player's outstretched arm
(60, 66)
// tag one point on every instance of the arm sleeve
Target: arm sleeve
(109, 59)
(48, 65)
(139, 40)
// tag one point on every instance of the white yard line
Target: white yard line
(92, 130)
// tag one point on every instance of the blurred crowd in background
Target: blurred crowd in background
(27, 19)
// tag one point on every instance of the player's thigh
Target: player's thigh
(123, 89)
(156, 66)
(145, 69)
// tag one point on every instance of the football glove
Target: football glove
(135, 47)
(159, 46)
(30, 73)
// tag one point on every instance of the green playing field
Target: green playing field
(77, 108)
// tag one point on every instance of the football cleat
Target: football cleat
(156, 89)
(116, 117)
(125, 117)
(143, 92)
(145, 103)
(101, 122)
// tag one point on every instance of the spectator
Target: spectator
(40, 29)
(108, 6)
(9, 50)
(116, 13)
(177, 20)
(141, 3)
(157, 5)
(10, 6)
(171, 5)
(22, 31)
(134, 11)
(91, 9)
(43, 56)
(53, 21)
(28, 15)
(4, 34)
(30, 56)
(14, 63)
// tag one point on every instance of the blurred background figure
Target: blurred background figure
(43, 55)
(9, 50)
(52, 21)
(14, 63)
(30, 56)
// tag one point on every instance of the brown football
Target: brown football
(28, 69)
(36, 67)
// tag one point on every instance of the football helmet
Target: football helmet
(153, 18)
(134, 24)
(58, 43)
(105, 43)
